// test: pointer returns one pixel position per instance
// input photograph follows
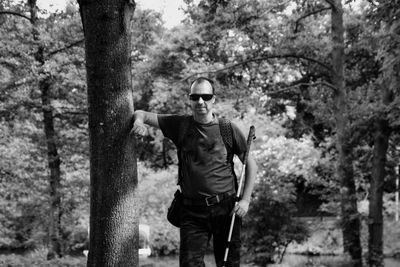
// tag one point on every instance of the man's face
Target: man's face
(200, 100)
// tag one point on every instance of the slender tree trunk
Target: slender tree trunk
(164, 153)
(53, 158)
(344, 169)
(390, 78)
(375, 218)
(113, 170)
(55, 172)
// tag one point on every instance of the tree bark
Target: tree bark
(344, 168)
(53, 158)
(375, 217)
(113, 170)
(390, 83)
(55, 172)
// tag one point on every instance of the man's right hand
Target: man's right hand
(139, 128)
(142, 119)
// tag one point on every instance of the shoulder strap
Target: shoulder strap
(225, 128)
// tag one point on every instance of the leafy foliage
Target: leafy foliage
(271, 227)
(154, 203)
(24, 162)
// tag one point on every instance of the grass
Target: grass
(174, 262)
(37, 258)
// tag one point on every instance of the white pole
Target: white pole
(397, 194)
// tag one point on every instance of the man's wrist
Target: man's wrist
(138, 116)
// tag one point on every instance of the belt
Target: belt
(208, 201)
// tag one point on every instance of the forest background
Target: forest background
(274, 67)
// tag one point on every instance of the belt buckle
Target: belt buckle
(212, 197)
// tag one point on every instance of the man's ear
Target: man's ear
(213, 100)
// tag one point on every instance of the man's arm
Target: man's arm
(140, 118)
(242, 207)
(251, 171)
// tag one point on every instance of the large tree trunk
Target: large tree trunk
(344, 169)
(113, 170)
(53, 158)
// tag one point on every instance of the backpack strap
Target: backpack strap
(183, 128)
(225, 128)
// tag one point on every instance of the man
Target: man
(206, 177)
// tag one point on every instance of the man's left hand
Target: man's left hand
(241, 208)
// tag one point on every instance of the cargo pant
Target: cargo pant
(198, 224)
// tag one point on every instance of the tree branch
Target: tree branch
(331, 3)
(15, 83)
(65, 114)
(310, 14)
(300, 84)
(8, 64)
(372, 2)
(7, 174)
(4, 12)
(65, 47)
(260, 59)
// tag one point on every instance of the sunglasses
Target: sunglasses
(205, 97)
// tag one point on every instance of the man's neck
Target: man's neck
(204, 119)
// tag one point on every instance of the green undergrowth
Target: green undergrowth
(326, 238)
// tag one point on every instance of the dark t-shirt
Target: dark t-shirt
(205, 167)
